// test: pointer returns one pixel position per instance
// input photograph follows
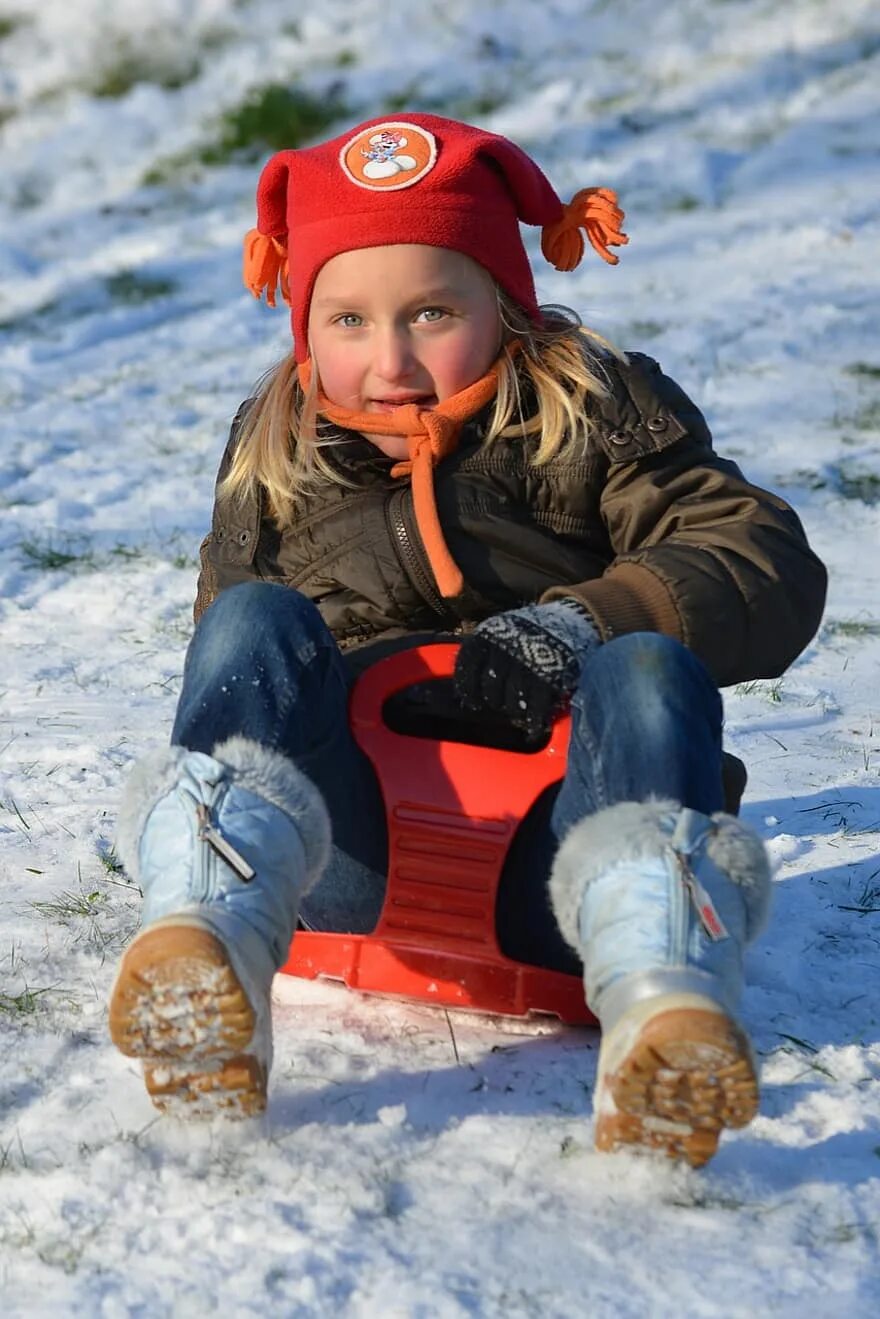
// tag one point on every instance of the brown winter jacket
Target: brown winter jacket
(650, 529)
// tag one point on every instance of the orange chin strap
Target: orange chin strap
(431, 434)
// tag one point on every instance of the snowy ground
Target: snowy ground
(397, 1175)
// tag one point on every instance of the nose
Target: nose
(393, 360)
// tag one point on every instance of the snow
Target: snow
(410, 1164)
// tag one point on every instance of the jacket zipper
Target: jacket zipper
(408, 541)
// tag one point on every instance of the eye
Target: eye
(431, 314)
(350, 320)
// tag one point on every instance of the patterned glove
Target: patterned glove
(526, 662)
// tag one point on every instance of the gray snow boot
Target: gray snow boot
(223, 846)
(659, 901)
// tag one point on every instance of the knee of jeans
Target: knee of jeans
(652, 672)
(252, 610)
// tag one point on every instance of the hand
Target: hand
(526, 662)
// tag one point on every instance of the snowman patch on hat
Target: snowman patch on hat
(389, 156)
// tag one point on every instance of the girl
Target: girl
(440, 455)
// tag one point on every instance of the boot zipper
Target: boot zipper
(408, 541)
(678, 916)
(209, 834)
(703, 905)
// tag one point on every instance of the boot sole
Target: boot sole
(178, 1005)
(671, 1078)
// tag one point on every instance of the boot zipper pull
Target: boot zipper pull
(208, 834)
(705, 908)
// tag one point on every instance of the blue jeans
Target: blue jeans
(646, 721)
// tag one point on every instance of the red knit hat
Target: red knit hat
(421, 179)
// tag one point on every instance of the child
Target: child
(440, 455)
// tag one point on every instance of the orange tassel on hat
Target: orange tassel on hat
(595, 210)
(265, 266)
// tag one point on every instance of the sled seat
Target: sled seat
(453, 809)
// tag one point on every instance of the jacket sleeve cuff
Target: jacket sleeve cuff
(629, 598)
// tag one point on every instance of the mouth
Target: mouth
(402, 401)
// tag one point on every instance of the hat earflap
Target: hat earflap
(265, 248)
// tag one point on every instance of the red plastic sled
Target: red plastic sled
(453, 809)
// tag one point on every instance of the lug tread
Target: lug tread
(688, 1074)
(179, 1006)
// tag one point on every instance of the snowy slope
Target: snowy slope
(410, 1165)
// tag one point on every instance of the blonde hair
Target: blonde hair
(556, 370)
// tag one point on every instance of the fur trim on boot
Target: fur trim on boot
(273, 776)
(148, 781)
(269, 774)
(634, 830)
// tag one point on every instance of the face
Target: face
(401, 324)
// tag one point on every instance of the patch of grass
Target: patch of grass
(28, 322)
(476, 107)
(795, 1039)
(171, 169)
(610, 103)
(853, 484)
(761, 687)
(125, 68)
(30, 191)
(273, 118)
(50, 556)
(398, 101)
(683, 203)
(569, 1148)
(177, 627)
(637, 122)
(853, 627)
(868, 900)
(645, 329)
(706, 1199)
(806, 1050)
(805, 476)
(67, 904)
(868, 416)
(23, 1004)
(9, 23)
(109, 860)
(844, 479)
(132, 287)
(835, 813)
(12, 805)
(468, 108)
